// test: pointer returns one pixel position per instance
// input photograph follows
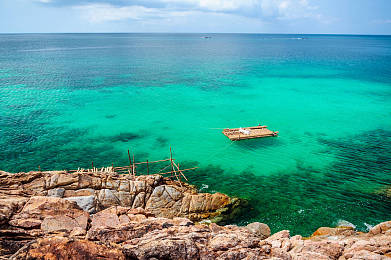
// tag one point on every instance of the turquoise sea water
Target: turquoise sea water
(69, 99)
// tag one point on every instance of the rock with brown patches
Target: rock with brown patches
(64, 248)
(261, 230)
(96, 191)
(40, 216)
(366, 255)
(56, 224)
(61, 223)
(104, 219)
(174, 241)
(338, 231)
(123, 232)
(9, 206)
(79, 192)
(22, 184)
(318, 250)
(53, 211)
(167, 200)
(78, 232)
(279, 235)
(368, 245)
(382, 228)
(176, 238)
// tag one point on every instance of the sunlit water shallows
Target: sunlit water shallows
(69, 99)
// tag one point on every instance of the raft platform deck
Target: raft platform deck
(237, 134)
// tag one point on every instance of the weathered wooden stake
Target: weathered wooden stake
(134, 167)
(130, 160)
(92, 164)
(39, 168)
(172, 166)
(147, 167)
(179, 173)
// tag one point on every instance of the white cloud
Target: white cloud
(262, 9)
(216, 5)
(96, 13)
(288, 9)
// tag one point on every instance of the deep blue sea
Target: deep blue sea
(69, 99)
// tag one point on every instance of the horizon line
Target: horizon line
(340, 34)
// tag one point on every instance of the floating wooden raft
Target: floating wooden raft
(236, 134)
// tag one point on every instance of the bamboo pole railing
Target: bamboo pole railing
(175, 171)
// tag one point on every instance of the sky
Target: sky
(188, 16)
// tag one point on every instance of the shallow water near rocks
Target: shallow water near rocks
(69, 99)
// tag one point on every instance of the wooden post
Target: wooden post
(172, 167)
(39, 168)
(147, 167)
(134, 167)
(130, 160)
(92, 164)
(179, 173)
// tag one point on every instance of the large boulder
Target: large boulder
(382, 228)
(50, 214)
(87, 203)
(338, 231)
(261, 230)
(170, 201)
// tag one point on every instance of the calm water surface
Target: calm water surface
(69, 99)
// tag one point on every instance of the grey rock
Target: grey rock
(261, 230)
(59, 192)
(87, 203)
(108, 198)
(139, 201)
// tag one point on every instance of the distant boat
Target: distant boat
(206, 37)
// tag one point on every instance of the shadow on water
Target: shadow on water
(259, 143)
(124, 137)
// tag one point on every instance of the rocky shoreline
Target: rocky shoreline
(95, 191)
(100, 215)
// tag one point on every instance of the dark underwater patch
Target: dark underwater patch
(125, 137)
(367, 155)
(22, 138)
(18, 106)
(55, 148)
(161, 141)
(110, 116)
